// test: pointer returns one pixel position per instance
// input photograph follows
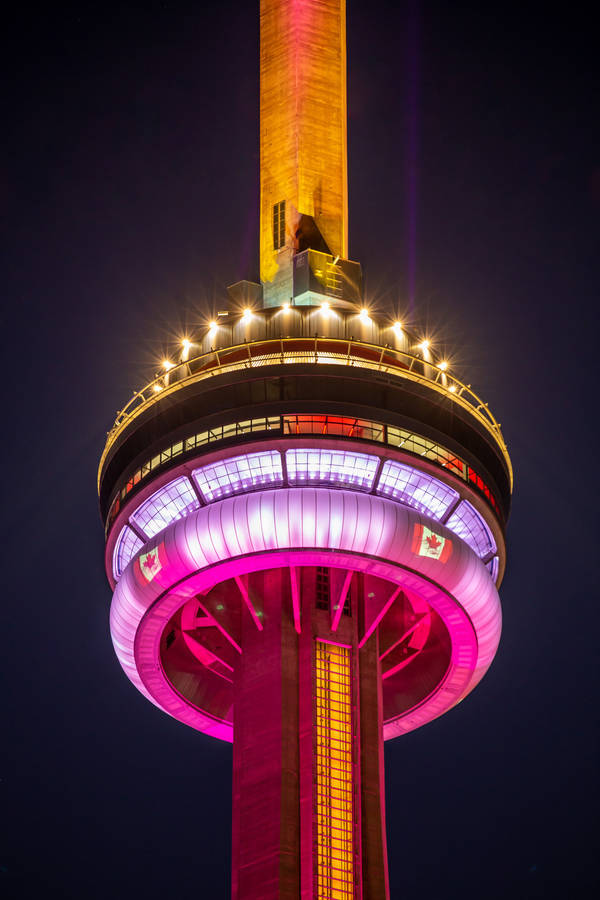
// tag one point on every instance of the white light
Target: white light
(239, 474)
(398, 326)
(173, 501)
(247, 316)
(424, 492)
(424, 345)
(443, 366)
(331, 466)
(167, 364)
(212, 325)
(285, 307)
(364, 315)
(128, 544)
(186, 344)
(466, 522)
(325, 307)
(452, 388)
(156, 388)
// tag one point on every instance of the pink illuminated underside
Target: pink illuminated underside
(295, 527)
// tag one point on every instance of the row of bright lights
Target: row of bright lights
(248, 315)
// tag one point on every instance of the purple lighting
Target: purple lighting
(173, 501)
(492, 568)
(466, 522)
(128, 544)
(299, 527)
(238, 474)
(306, 466)
(332, 466)
(416, 489)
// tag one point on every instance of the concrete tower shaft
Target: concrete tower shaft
(308, 818)
(303, 135)
(305, 514)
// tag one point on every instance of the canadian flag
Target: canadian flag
(427, 543)
(150, 564)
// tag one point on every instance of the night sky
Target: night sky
(129, 197)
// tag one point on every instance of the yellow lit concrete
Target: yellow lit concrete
(303, 134)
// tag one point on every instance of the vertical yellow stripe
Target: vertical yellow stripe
(334, 814)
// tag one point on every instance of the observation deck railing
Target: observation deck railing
(317, 350)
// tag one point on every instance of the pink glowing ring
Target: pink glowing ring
(295, 527)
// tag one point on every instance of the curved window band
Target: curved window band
(338, 426)
(340, 468)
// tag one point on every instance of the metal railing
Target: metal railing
(317, 350)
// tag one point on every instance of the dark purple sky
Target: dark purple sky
(128, 189)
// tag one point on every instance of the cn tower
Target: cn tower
(305, 512)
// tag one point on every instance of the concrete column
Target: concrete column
(266, 827)
(274, 827)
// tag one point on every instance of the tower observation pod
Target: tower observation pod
(305, 513)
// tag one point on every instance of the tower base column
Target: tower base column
(308, 807)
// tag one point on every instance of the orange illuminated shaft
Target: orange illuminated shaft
(303, 144)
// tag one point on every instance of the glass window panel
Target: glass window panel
(240, 473)
(493, 567)
(331, 466)
(173, 501)
(466, 522)
(128, 544)
(416, 489)
(346, 472)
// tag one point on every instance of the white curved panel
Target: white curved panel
(492, 567)
(238, 474)
(466, 522)
(307, 465)
(127, 545)
(172, 501)
(416, 489)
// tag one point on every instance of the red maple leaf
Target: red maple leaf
(433, 542)
(150, 561)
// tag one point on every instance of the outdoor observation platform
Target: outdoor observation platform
(364, 355)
